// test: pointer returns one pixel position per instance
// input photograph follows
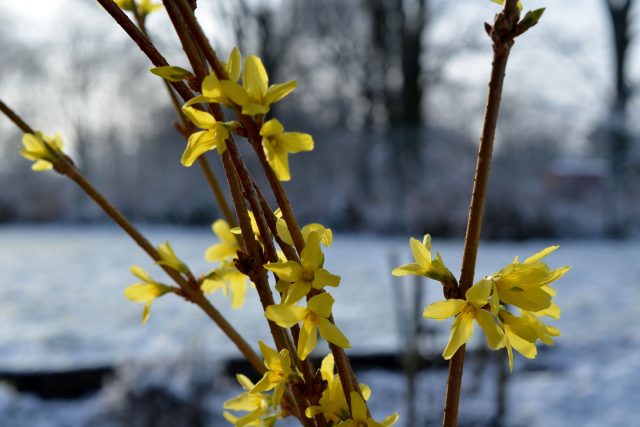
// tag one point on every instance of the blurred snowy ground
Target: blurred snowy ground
(61, 307)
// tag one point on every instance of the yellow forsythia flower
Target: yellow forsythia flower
(169, 259)
(424, 265)
(278, 144)
(215, 135)
(308, 273)
(228, 245)
(314, 319)
(227, 277)
(361, 418)
(255, 95)
(256, 404)
(326, 235)
(333, 404)
(212, 91)
(278, 374)
(146, 291)
(525, 285)
(41, 149)
(465, 312)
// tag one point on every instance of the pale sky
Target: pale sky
(579, 78)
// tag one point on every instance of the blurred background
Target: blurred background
(393, 92)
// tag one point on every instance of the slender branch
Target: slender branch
(192, 291)
(502, 35)
(143, 43)
(15, 118)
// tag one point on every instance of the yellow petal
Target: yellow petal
(57, 142)
(210, 286)
(311, 256)
(253, 108)
(532, 300)
(553, 311)
(326, 235)
(495, 335)
(271, 128)
(277, 395)
(141, 274)
(323, 278)
(409, 269)
(42, 165)
(278, 160)
(143, 292)
(444, 309)
(285, 315)
(283, 231)
(307, 340)
(220, 251)
(32, 143)
(198, 144)
(539, 255)
(269, 354)
(332, 334)
(200, 99)
(295, 142)
(146, 311)
(327, 367)
(171, 73)
(478, 294)
(321, 304)
(199, 118)
(264, 384)
(390, 420)
(254, 77)
(278, 91)
(358, 407)
(295, 292)
(288, 270)
(238, 286)
(235, 92)
(221, 229)
(244, 382)
(170, 259)
(233, 65)
(426, 242)
(461, 331)
(212, 89)
(523, 346)
(420, 253)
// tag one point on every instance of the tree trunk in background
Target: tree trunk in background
(618, 137)
(396, 87)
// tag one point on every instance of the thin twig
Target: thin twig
(502, 34)
(192, 291)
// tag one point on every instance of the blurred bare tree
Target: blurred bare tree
(617, 133)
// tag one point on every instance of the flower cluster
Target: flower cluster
(333, 403)
(492, 301)
(252, 98)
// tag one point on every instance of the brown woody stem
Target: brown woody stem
(502, 35)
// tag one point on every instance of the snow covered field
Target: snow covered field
(61, 307)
